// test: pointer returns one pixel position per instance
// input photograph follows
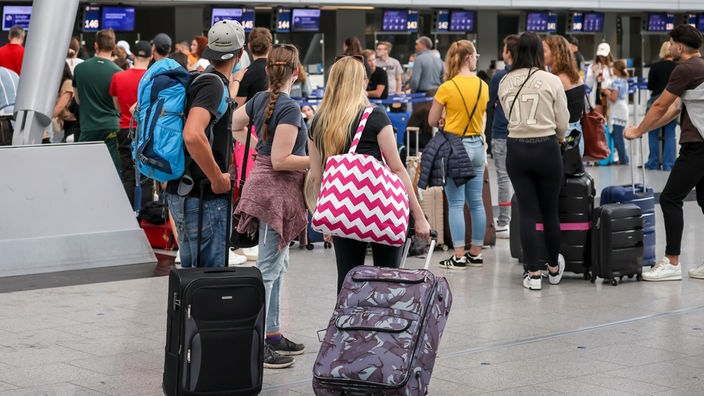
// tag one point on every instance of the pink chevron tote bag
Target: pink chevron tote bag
(361, 198)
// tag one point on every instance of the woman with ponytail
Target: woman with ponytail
(463, 98)
(332, 130)
(272, 197)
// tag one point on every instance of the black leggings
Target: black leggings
(534, 166)
(686, 174)
(350, 253)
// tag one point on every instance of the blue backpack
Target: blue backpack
(158, 147)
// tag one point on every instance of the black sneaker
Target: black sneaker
(273, 360)
(286, 347)
(454, 263)
(474, 261)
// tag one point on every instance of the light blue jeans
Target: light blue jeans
(273, 264)
(471, 193)
(184, 211)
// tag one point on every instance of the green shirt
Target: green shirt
(92, 80)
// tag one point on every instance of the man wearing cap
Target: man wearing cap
(91, 82)
(209, 168)
(123, 89)
(684, 94)
(126, 46)
(161, 47)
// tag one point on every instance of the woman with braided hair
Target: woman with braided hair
(272, 197)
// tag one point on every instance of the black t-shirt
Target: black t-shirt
(379, 77)
(659, 75)
(254, 79)
(286, 111)
(368, 143)
(206, 93)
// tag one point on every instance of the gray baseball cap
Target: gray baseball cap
(225, 39)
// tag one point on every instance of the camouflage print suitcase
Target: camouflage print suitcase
(384, 334)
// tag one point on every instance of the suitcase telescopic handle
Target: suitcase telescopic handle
(633, 164)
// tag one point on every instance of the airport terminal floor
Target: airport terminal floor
(102, 331)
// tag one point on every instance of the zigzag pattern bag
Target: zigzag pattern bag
(360, 198)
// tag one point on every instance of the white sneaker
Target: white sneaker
(251, 253)
(554, 280)
(236, 259)
(697, 273)
(502, 232)
(532, 283)
(663, 271)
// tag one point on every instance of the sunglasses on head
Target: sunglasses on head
(288, 46)
(359, 58)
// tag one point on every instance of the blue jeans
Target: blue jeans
(471, 193)
(273, 264)
(184, 211)
(619, 143)
(669, 150)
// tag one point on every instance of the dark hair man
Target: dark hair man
(685, 87)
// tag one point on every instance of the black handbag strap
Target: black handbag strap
(469, 116)
(247, 145)
(510, 111)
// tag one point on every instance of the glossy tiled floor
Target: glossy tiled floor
(577, 338)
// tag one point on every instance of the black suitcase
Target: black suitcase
(575, 208)
(214, 328)
(215, 332)
(617, 242)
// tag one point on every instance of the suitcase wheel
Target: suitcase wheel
(639, 277)
(310, 246)
(587, 276)
(614, 282)
(327, 245)
(592, 278)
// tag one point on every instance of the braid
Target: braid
(273, 98)
(281, 62)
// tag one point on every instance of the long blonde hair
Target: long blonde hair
(456, 56)
(344, 98)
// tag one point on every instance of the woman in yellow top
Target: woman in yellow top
(463, 98)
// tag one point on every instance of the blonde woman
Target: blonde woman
(464, 97)
(331, 133)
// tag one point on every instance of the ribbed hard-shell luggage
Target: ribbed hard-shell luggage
(617, 242)
(643, 196)
(575, 209)
(384, 333)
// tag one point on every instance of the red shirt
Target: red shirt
(124, 86)
(11, 57)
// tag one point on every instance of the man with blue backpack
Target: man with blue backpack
(184, 138)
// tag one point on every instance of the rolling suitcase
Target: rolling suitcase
(431, 199)
(214, 327)
(489, 234)
(641, 195)
(617, 242)
(575, 209)
(385, 345)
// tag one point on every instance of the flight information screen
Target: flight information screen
(16, 15)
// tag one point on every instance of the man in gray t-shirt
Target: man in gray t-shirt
(391, 65)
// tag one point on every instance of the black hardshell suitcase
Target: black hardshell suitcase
(617, 242)
(575, 208)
